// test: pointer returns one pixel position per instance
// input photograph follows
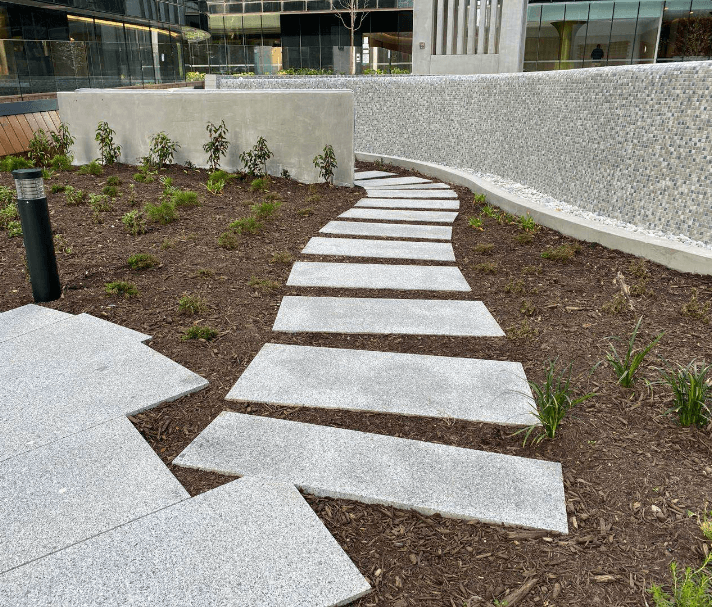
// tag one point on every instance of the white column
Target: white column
(491, 47)
(439, 50)
(471, 27)
(461, 27)
(450, 44)
(481, 28)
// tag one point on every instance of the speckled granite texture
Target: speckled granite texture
(630, 142)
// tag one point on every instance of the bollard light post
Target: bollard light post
(37, 234)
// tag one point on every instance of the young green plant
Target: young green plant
(692, 393)
(625, 367)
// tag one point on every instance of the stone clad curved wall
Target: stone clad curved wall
(632, 143)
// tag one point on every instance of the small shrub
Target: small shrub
(693, 309)
(113, 180)
(525, 238)
(163, 213)
(259, 185)
(255, 160)
(146, 173)
(73, 196)
(135, 222)
(93, 168)
(185, 199)
(217, 181)
(228, 240)
(217, 145)
(486, 268)
(626, 367)
(167, 244)
(162, 149)
(484, 248)
(199, 332)
(480, 199)
(265, 209)
(14, 229)
(515, 286)
(246, 225)
(12, 163)
(61, 162)
(506, 218)
(552, 401)
(691, 589)
(262, 284)
(326, 163)
(100, 202)
(40, 150)
(8, 214)
(191, 304)
(490, 211)
(533, 269)
(142, 261)
(524, 330)
(109, 152)
(7, 195)
(282, 257)
(285, 174)
(47, 174)
(62, 141)
(527, 223)
(305, 212)
(563, 253)
(61, 244)
(527, 308)
(616, 305)
(132, 194)
(120, 287)
(692, 394)
(111, 191)
(475, 222)
(639, 268)
(58, 188)
(706, 527)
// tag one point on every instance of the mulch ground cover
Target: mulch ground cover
(636, 481)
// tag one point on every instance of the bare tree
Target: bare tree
(349, 11)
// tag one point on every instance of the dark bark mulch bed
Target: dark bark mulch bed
(621, 454)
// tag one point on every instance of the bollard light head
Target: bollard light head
(29, 184)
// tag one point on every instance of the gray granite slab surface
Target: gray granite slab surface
(371, 174)
(410, 203)
(387, 230)
(26, 319)
(399, 215)
(384, 249)
(390, 181)
(400, 193)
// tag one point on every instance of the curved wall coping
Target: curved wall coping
(671, 254)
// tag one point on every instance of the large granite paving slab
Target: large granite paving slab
(390, 181)
(386, 316)
(387, 230)
(386, 249)
(78, 487)
(410, 203)
(414, 186)
(26, 319)
(372, 468)
(376, 276)
(393, 193)
(387, 382)
(249, 543)
(74, 374)
(400, 215)
(371, 174)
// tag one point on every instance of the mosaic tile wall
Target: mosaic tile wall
(631, 142)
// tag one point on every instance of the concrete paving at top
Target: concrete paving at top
(413, 186)
(376, 276)
(393, 193)
(387, 230)
(386, 316)
(410, 203)
(371, 468)
(385, 249)
(386, 382)
(26, 319)
(400, 215)
(78, 487)
(358, 175)
(249, 543)
(390, 181)
(77, 373)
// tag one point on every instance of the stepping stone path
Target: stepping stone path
(455, 482)
(89, 509)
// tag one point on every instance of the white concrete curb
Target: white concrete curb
(676, 256)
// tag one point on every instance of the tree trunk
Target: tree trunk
(353, 50)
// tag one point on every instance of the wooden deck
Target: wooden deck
(17, 130)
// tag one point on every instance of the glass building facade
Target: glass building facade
(598, 33)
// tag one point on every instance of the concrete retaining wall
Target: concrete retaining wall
(296, 124)
(633, 143)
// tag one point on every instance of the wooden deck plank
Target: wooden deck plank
(48, 121)
(19, 132)
(25, 125)
(17, 148)
(54, 115)
(34, 125)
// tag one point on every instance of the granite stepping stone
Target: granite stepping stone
(371, 174)
(413, 186)
(390, 181)
(490, 391)
(427, 477)
(388, 249)
(387, 230)
(399, 215)
(26, 319)
(78, 487)
(376, 276)
(249, 543)
(393, 193)
(386, 316)
(409, 203)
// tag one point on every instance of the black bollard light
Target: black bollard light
(37, 234)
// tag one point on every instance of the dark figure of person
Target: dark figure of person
(597, 54)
